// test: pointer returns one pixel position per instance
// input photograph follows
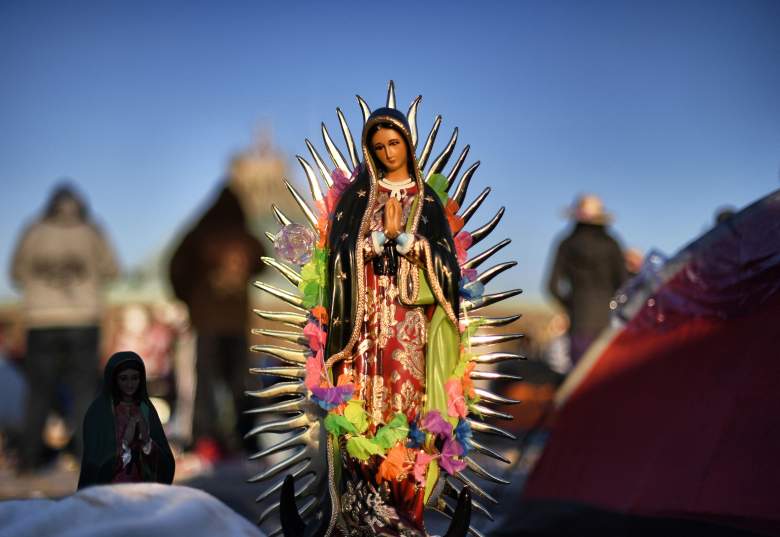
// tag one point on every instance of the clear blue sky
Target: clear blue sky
(667, 110)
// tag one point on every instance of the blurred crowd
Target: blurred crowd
(195, 344)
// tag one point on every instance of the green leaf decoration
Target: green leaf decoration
(439, 185)
(338, 425)
(356, 415)
(313, 278)
(388, 435)
(362, 448)
(311, 293)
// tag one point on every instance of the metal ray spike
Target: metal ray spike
(289, 406)
(270, 236)
(483, 231)
(291, 356)
(294, 300)
(267, 493)
(390, 94)
(479, 341)
(481, 472)
(280, 216)
(460, 476)
(488, 452)
(490, 413)
(283, 465)
(280, 426)
(490, 397)
(469, 211)
(441, 161)
(363, 108)
(307, 211)
(463, 185)
(452, 491)
(333, 151)
(353, 154)
(268, 512)
(311, 178)
(307, 507)
(490, 321)
(279, 389)
(497, 357)
(477, 260)
(487, 300)
(295, 336)
(292, 276)
(324, 171)
(426, 150)
(299, 439)
(490, 375)
(304, 490)
(411, 117)
(261, 476)
(286, 317)
(457, 166)
(286, 372)
(486, 428)
(448, 511)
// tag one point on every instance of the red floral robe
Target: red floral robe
(388, 368)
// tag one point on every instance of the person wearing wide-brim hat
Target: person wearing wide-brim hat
(587, 270)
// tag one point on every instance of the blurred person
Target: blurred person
(124, 441)
(634, 260)
(556, 352)
(209, 272)
(587, 269)
(61, 264)
(723, 214)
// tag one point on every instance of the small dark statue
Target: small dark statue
(124, 441)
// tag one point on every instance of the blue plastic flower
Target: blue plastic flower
(463, 435)
(416, 436)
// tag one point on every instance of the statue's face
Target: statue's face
(390, 148)
(128, 381)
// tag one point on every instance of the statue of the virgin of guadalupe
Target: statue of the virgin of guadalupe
(383, 397)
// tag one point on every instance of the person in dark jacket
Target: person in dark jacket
(124, 441)
(587, 269)
(209, 272)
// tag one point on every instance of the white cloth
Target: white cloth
(127, 510)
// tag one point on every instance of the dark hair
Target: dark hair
(65, 190)
(124, 367)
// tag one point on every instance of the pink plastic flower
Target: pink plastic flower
(456, 403)
(313, 372)
(315, 335)
(463, 242)
(421, 466)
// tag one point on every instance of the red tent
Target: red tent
(675, 415)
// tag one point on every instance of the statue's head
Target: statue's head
(387, 139)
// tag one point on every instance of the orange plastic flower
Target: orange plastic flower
(344, 378)
(468, 384)
(455, 221)
(394, 464)
(320, 313)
